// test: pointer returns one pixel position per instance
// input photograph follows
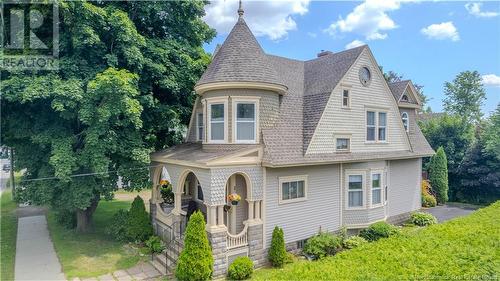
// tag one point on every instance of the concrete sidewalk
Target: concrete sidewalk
(36, 258)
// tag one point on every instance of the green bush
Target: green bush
(323, 244)
(240, 269)
(378, 230)
(428, 201)
(438, 175)
(138, 224)
(196, 261)
(66, 218)
(117, 227)
(277, 252)
(154, 245)
(353, 242)
(422, 219)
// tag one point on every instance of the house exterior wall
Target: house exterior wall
(404, 193)
(301, 220)
(192, 128)
(352, 121)
(412, 116)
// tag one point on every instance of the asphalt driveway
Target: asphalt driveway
(448, 212)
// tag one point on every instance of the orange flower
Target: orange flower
(164, 182)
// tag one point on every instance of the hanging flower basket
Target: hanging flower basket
(234, 199)
(167, 192)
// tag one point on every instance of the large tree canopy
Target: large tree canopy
(124, 88)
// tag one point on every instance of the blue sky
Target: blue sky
(428, 42)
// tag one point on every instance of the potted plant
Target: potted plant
(167, 194)
(234, 198)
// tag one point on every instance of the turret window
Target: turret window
(245, 119)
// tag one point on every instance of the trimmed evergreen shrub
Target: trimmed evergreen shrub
(240, 269)
(196, 261)
(139, 226)
(323, 244)
(277, 252)
(354, 241)
(117, 227)
(378, 230)
(438, 175)
(422, 219)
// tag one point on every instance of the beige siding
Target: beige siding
(301, 220)
(192, 133)
(404, 186)
(338, 120)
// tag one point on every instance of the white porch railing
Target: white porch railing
(238, 240)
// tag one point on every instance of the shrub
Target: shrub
(154, 245)
(66, 218)
(354, 241)
(422, 219)
(117, 227)
(196, 261)
(428, 200)
(138, 224)
(438, 175)
(323, 244)
(241, 268)
(378, 230)
(277, 252)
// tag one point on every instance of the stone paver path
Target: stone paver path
(446, 212)
(35, 255)
(142, 271)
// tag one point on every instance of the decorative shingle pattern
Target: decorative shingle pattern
(203, 176)
(220, 177)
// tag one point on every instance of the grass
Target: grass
(92, 254)
(461, 249)
(8, 234)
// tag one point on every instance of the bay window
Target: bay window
(199, 126)
(355, 191)
(245, 122)
(376, 188)
(217, 120)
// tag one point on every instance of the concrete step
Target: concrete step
(161, 268)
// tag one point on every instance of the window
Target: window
(404, 117)
(355, 191)
(245, 122)
(346, 102)
(376, 188)
(217, 122)
(343, 144)
(382, 121)
(293, 189)
(404, 98)
(370, 126)
(199, 126)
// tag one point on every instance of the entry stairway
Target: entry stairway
(167, 260)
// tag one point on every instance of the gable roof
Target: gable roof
(398, 88)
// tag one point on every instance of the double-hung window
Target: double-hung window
(355, 190)
(376, 188)
(217, 113)
(376, 126)
(370, 125)
(382, 122)
(246, 122)
(199, 126)
(292, 189)
(346, 100)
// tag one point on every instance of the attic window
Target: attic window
(346, 100)
(404, 98)
(404, 118)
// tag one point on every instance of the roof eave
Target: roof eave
(202, 88)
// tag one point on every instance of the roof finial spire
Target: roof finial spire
(240, 10)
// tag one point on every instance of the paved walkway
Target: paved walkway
(35, 255)
(142, 271)
(447, 212)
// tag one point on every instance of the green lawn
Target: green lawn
(461, 249)
(8, 234)
(92, 254)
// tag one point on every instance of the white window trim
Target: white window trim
(237, 100)
(198, 137)
(282, 180)
(348, 106)
(346, 188)
(209, 102)
(404, 116)
(343, 136)
(382, 186)
(377, 111)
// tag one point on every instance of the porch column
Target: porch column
(250, 210)
(177, 203)
(220, 215)
(211, 216)
(257, 210)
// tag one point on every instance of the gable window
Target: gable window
(343, 144)
(404, 98)
(217, 130)
(370, 126)
(245, 122)
(346, 100)
(382, 121)
(199, 126)
(404, 118)
(376, 188)
(292, 189)
(355, 191)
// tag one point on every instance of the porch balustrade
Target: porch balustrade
(238, 240)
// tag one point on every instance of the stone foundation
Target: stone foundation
(219, 251)
(256, 251)
(399, 219)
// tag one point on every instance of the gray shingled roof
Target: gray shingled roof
(240, 59)
(398, 88)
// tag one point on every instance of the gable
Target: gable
(351, 122)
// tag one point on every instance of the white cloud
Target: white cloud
(266, 18)
(475, 10)
(354, 44)
(369, 19)
(441, 31)
(491, 80)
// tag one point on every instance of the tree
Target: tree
(491, 134)
(123, 89)
(464, 96)
(138, 223)
(455, 137)
(392, 77)
(438, 175)
(196, 261)
(277, 252)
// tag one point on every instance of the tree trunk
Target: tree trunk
(84, 217)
